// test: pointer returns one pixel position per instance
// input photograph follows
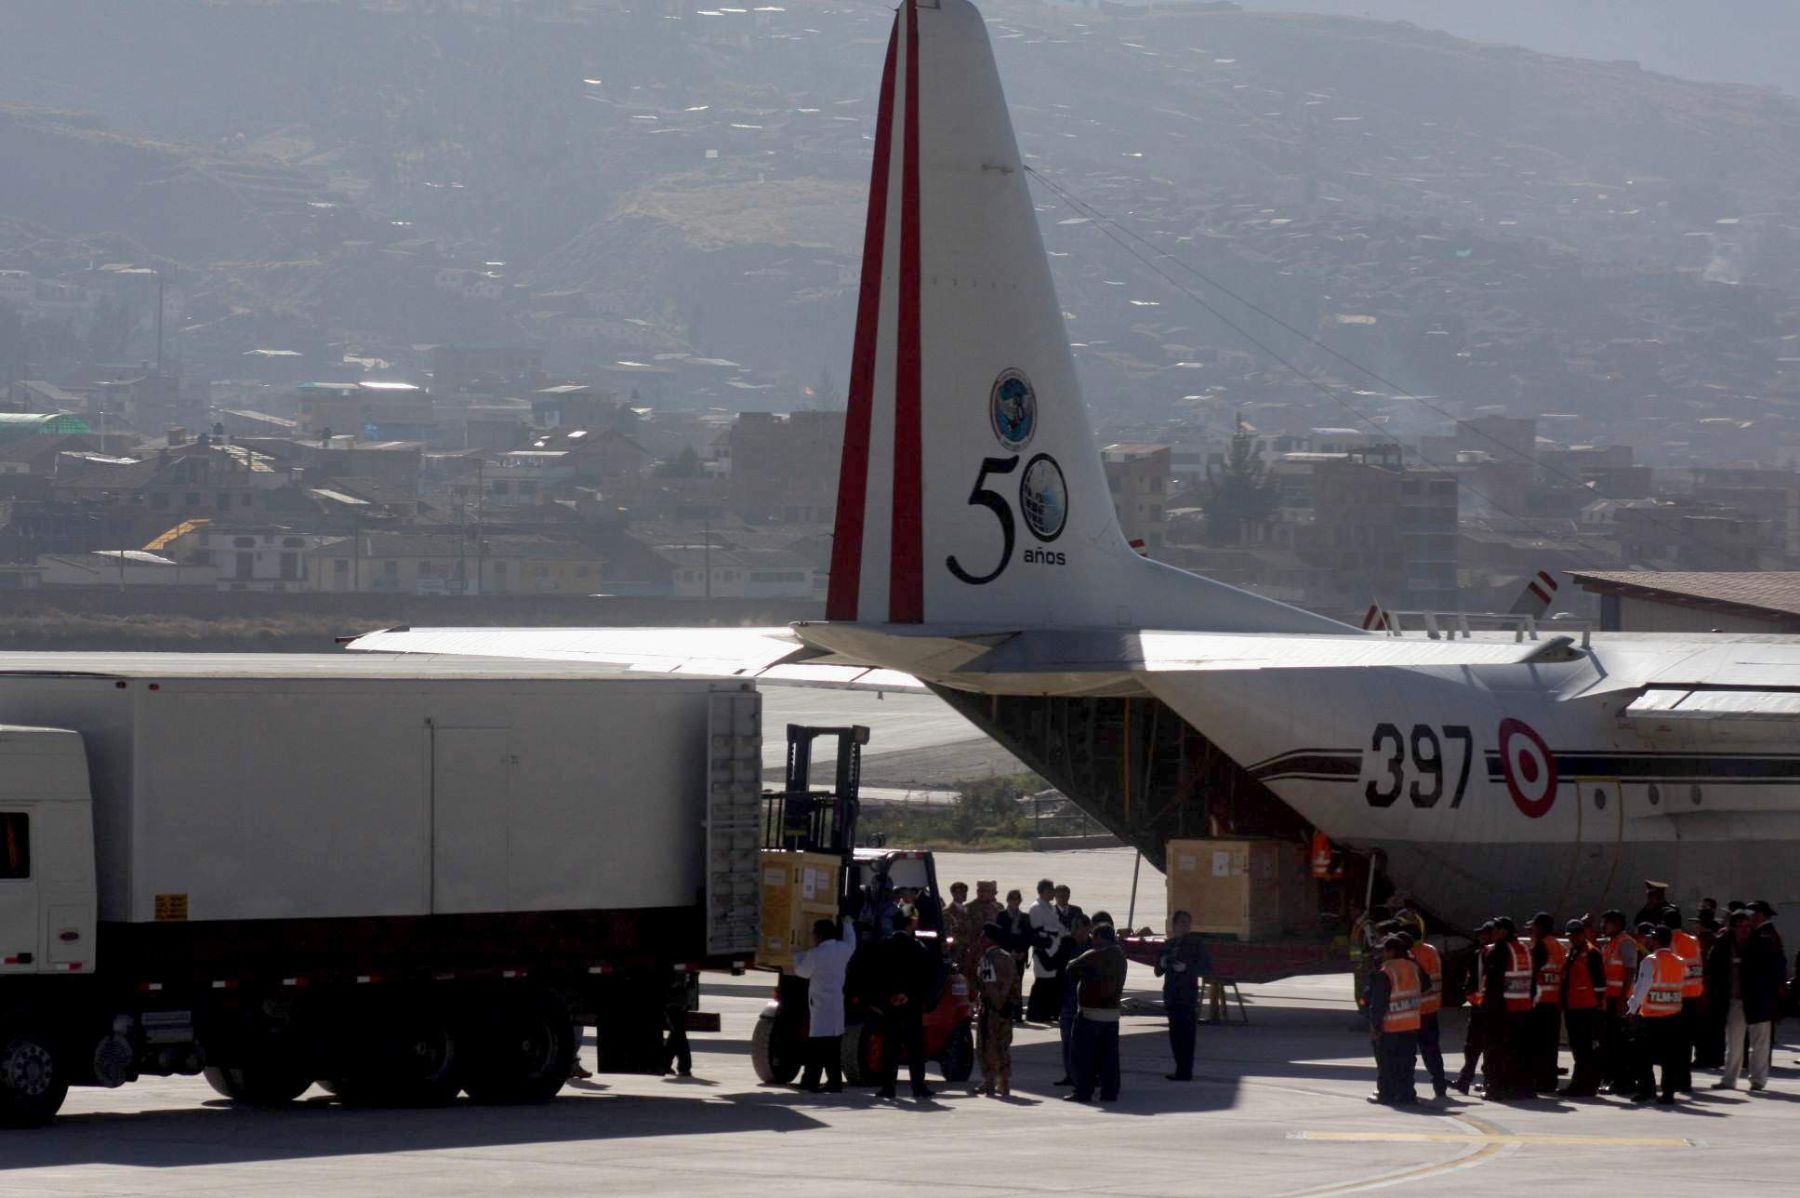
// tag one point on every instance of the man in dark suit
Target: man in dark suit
(906, 973)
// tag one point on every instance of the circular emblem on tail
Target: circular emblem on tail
(1012, 409)
(1044, 497)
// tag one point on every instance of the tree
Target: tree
(685, 464)
(1241, 496)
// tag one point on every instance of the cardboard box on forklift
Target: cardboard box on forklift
(1251, 889)
(797, 888)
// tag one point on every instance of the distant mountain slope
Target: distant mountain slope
(70, 173)
(1732, 41)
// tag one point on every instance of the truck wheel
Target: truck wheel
(774, 1064)
(263, 1083)
(958, 1061)
(32, 1082)
(523, 1053)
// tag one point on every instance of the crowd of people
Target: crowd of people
(1076, 965)
(1642, 1002)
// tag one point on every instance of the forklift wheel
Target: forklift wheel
(773, 1065)
(958, 1061)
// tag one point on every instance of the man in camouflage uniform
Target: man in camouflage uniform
(994, 975)
(957, 926)
(976, 917)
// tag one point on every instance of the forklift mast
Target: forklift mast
(817, 821)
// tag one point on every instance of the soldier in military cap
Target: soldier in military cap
(983, 910)
(994, 974)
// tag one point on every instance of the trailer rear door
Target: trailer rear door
(471, 775)
(733, 822)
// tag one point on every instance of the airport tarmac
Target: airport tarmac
(915, 738)
(1278, 1109)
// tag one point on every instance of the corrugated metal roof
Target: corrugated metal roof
(1773, 591)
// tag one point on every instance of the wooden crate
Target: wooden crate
(797, 888)
(1252, 889)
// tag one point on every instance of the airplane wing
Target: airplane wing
(1059, 652)
(766, 654)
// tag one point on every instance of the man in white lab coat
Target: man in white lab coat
(1047, 931)
(824, 966)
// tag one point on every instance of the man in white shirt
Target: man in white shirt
(824, 966)
(1045, 1003)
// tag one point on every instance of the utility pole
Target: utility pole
(480, 533)
(159, 327)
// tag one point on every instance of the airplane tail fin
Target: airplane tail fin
(971, 491)
(1539, 593)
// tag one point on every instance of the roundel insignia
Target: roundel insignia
(1012, 409)
(1044, 497)
(1529, 768)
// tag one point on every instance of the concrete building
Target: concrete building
(1138, 475)
(249, 559)
(1377, 531)
(1695, 601)
(453, 563)
(782, 467)
(698, 572)
(486, 370)
(117, 569)
(372, 411)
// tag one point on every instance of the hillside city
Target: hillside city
(1340, 348)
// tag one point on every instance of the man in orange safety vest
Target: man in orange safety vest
(1425, 955)
(1693, 988)
(1395, 992)
(1655, 1009)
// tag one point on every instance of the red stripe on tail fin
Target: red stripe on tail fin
(906, 587)
(853, 471)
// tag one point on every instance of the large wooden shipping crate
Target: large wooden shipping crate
(1252, 889)
(797, 889)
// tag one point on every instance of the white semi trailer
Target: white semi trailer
(403, 879)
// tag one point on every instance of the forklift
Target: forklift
(800, 819)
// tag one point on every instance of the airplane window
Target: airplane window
(15, 845)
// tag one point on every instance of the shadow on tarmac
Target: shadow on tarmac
(221, 1133)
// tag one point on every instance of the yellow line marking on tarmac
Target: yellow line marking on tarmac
(1484, 1148)
(1488, 1141)
(1502, 1138)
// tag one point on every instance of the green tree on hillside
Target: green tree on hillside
(1241, 496)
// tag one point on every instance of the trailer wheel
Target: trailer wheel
(958, 1061)
(32, 1082)
(774, 1064)
(522, 1053)
(414, 1064)
(266, 1083)
(272, 1078)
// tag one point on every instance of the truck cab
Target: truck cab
(47, 888)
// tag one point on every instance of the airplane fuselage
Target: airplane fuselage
(1494, 788)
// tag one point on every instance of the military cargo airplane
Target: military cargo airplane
(977, 554)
